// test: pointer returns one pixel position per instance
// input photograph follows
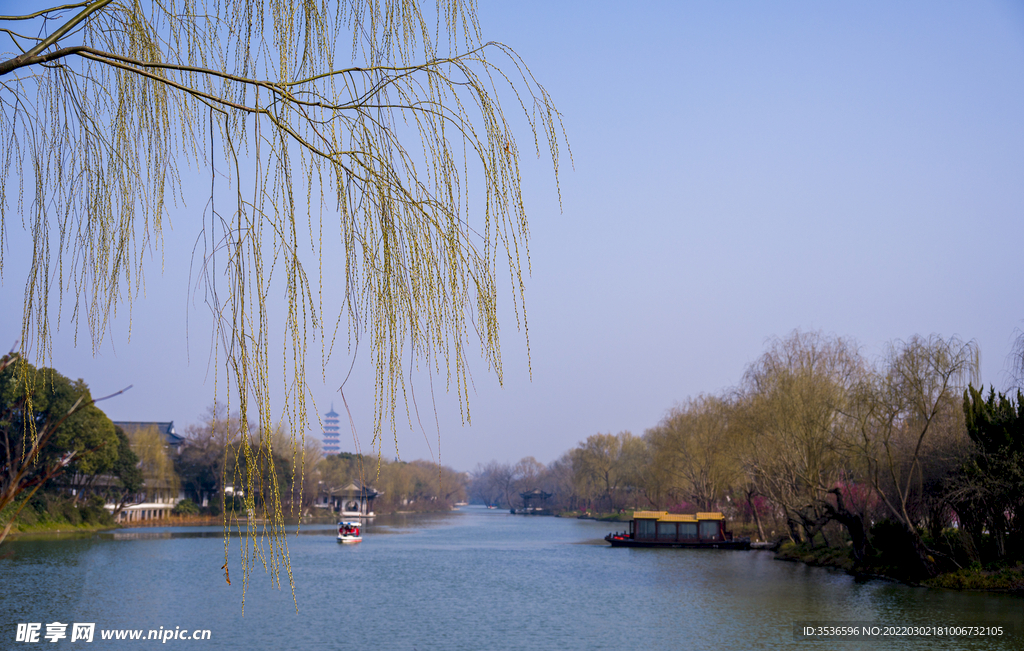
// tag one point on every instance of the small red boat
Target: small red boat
(348, 533)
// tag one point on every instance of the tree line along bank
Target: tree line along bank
(901, 465)
(64, 463)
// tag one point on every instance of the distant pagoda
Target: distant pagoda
(332, 443)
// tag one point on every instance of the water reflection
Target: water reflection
(472, 580)
(400, 524)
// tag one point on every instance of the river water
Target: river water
(472, 579)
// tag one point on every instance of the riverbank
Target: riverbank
(189, 520)
(42, 528)
(47, 514)
(975, 579)
(63, 527)
(55, 528)
(603, 517)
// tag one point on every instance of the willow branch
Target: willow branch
(32, 56)
(44, 12)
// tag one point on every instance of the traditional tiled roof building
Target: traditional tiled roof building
(171, 438)
(354, 500)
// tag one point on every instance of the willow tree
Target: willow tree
(1016, 360)
(792, 406)
(355, 126)
(909, 429)
(161, 480)
(606, 465)
(694, 444)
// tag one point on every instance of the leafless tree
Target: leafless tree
(792, 413)
(905, 413)
(698, 450)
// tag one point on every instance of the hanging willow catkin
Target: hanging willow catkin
(362, 123)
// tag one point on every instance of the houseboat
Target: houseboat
(348, 533)
(664, 529)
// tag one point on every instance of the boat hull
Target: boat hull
(350, 533)
(738, 543)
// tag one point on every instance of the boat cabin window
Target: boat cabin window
(709, 529)
(645, 528)
(666, 531)
(687, 530)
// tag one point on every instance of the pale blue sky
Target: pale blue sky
(741, 170)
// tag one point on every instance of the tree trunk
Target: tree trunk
(812, 521)
(854, 526)
(924, 557)
(757, 519)
(794, 529)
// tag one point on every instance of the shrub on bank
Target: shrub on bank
(185, 507)
(882, 560)
(47, 511)
(624, 516)
(975, 578)
(891, 552)
(94, 513)
(957, 548)
(821, 555)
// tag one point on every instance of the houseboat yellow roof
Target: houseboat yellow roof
(677, 517)
(648, 515)
(665, 516)
(710, 516)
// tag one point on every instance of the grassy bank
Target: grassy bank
(1006, 579)
(996, 579)
(177, 521)
(819, 556)
(56, 527)
(591, 515)
(57, 514)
